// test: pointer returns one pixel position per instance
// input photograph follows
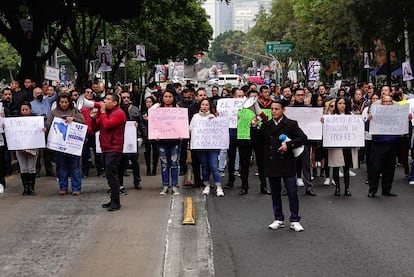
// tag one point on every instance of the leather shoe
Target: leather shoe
(137, 186)
(228, 186)
(106, 205)
(114, 207)
(265, 191)
(388, 193)
(243, 192)
(310, 192)
(371, 195)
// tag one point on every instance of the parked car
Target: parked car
(232, 79)
(257, 80)
(212, 82)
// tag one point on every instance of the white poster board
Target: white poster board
(309, 120)
(1, 118)
(66, 138)
(52, 73)
(228, 107)
(130, 139)
(389, 119)
(343, 131)
(210, 133)
(24, 132)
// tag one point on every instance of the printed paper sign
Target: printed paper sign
(24, 132)
(343, 131)
(210, 133)
(168, 123)
(66, 138)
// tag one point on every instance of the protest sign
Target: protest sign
(343, 131)
(24, 132)
(52, 73)
(228, 107)
(309, 120)
(168, 123)
(130, 139)
(244, 122)
(210, 133)
(1, 117)
(66, 138)
(389, 119)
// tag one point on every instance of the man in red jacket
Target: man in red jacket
(111, 123)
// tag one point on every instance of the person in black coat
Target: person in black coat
(280, 163)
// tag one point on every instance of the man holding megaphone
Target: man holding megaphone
(280, 162)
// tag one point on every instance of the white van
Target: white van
(232, 79)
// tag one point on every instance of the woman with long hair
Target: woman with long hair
(66, 163)
(168, 150)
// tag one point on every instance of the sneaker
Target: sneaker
(164, 190)
(219, 192)
(206, 190)
(300, 182)
(276, 225)
(122, 190)
(222, 174)
(341, 174)
(237, 173)
(327, 182)
(411, 182)
(351, 173)
(295, 226)
(175, 191)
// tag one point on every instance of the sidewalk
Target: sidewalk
(52, 235)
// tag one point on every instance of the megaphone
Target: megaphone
(296, 151)
(252, 104)
(83, 102)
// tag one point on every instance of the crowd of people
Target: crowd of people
(107, 112)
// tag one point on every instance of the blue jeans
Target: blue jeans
(209, 163)
(68, 165)
(169, 155)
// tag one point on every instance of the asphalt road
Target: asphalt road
(344, 236)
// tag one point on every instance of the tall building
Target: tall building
(221, 15)
(245, 12)
(237, 15)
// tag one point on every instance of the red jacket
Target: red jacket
(112, 127)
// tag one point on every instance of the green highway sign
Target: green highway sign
(279, 47)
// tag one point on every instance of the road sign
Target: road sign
(279, 47)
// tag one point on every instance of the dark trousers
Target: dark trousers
(303, 167)
(112, 162)
(245, 152)
(183, 155)
(292, 192)
(259, 154)
(196, 165)
(231, 154)
(2, 167)
(133, 157)
(382, 160)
